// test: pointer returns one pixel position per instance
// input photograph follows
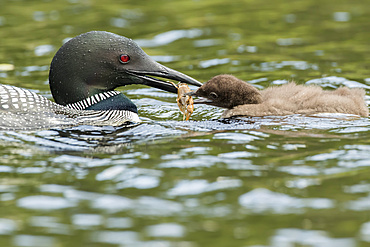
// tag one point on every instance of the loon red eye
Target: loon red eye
(124, 58)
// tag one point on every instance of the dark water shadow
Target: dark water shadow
(109, 139)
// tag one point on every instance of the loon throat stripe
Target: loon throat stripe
(96, 98)
(111, 117)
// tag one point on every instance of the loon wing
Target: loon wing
(26, 110)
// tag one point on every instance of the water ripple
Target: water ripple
(41, 202)
(7, 226)
(195, 187)
(213, 62)
(169, 230)
(169, 37)
(332, 81)
(263, 200)
(299, 237)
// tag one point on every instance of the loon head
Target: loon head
(226, 91)
(98, 62)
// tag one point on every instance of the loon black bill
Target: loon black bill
(167, 73)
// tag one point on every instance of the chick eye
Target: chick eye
(213, 95)
(124, 58)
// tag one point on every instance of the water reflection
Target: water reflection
(87, 221)
(213, 62)
(43, 50)
(263, 200)
(196, 187)
(272, 66)
(46, 203)
(271, 181)
(334, 82)
(291, 237)
(341, 16)
(33, 241)
(7, 226)
(50, 224)
(207, 42)
(112, 139)
(365, 232)
(115, 237)
(289, 41)
(169, 37)
(138, 178)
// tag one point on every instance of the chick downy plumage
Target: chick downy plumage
(243, 99)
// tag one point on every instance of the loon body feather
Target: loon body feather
(24, 109)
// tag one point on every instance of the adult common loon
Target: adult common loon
(83, 75)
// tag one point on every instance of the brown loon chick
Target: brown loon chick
(243, 99)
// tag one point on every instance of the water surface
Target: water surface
(271, 181)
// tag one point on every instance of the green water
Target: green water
(273, 181)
